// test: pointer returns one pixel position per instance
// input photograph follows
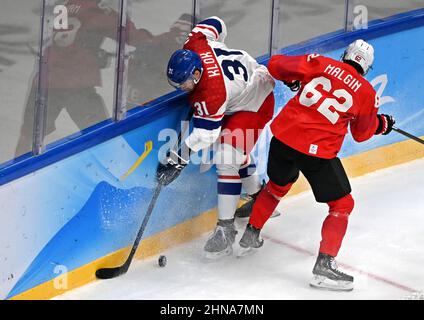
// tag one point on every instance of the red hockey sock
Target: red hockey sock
(266, 202)
(335, 225)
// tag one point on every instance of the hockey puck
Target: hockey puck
(162, 261)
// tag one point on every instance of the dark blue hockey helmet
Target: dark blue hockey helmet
(181, 67)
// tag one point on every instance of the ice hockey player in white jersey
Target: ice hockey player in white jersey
(232, 99)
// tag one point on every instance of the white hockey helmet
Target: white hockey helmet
(361, 53)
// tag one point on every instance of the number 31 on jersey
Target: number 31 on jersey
(201, 108)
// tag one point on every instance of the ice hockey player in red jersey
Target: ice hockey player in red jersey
(232, 98)
(308, 134)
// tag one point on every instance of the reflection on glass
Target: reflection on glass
(168, 25)
(19, 34)
(81, 66)
(378, 9)
(300, 20)
(248, 22)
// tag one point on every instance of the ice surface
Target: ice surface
(383, 249)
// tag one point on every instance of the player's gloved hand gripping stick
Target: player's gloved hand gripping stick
(176, 162)
(386, 125)
(177, 159)
(108, 273)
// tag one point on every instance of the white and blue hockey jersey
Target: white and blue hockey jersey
(231, 81)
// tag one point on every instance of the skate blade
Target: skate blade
(324, 283)
(219, 255)
(244, 252)
(244, 216)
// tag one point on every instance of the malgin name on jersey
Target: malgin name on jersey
(347, 78)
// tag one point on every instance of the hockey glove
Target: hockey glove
(385, 124)
(166, 173)
(294, 85)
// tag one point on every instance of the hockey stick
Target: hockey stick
(408, 135)
(109, 273)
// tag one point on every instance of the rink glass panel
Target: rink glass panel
(81, 67)
(166, 26)
(248, 22)
(378, 9)
(19, 37)
(305, 19)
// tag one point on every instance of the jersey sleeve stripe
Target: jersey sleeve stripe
(214, 23)
(206, 123)
(214, 117)
(213, 30)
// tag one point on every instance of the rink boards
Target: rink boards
(71, 213)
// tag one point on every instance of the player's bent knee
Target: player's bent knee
(343, 205)
(276, 190)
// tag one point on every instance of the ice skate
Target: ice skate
(328, 277)
(220, 243)
(250, 241)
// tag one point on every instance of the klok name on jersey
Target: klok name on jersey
(211, 66)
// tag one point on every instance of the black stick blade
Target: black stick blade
(109, 273)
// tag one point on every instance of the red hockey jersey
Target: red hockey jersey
(332, 97)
